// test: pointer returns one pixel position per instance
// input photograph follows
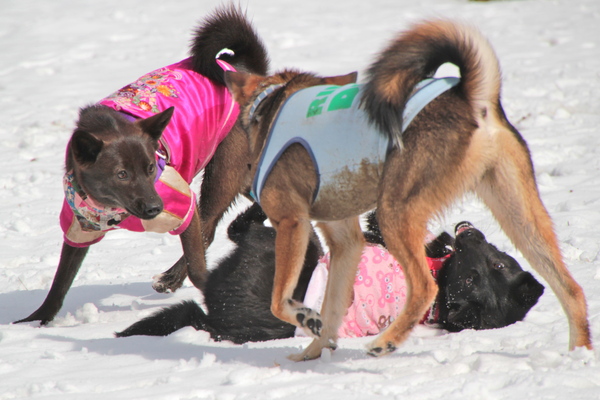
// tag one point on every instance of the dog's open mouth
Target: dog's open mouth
(463, 226)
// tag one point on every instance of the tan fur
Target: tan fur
(456, 144)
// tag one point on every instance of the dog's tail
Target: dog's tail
(168, 320)
(416, 55)
(228, 35)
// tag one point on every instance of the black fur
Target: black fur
(482, 287)
(250, 54)
(238, 292)
(440, 247)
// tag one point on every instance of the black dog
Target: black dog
(238, 291)
(480, 286)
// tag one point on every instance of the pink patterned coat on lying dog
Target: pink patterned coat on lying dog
(379, 292)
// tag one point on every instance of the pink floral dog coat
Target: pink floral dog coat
(204, 114)
(379, 292)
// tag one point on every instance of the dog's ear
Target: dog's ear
(342, 80)
(85, 147)
(241, 85)
(156, 124)
(526, 290)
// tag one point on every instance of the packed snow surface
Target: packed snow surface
(59, 55)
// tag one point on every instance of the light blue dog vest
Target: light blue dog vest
(328, 123)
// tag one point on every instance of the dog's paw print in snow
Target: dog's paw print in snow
(310, 320)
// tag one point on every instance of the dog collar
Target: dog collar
(261, 97)
(90, 215)
(433, 315)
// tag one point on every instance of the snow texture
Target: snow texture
(59, 55)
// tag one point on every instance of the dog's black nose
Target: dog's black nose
(152, 210)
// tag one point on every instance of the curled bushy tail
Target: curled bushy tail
(169, 320)
(416, 55)
(228, 28)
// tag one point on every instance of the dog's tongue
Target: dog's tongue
(463, 226)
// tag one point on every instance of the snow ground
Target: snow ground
(56, 56)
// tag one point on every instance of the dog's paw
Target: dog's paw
(309, 320)
(314, 350)
(375, 350)
(164, 283)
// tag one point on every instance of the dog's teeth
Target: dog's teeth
(463, 226)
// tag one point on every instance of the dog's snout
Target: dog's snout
(467, 233)
(464, 226)
(153, 209)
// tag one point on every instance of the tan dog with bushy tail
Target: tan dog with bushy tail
(461, 141)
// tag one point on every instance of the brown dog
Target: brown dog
(461, 141)
(132, 157)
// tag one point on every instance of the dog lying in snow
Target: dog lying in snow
(480, 287)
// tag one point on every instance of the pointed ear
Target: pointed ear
(527, 290)
(156, 124)
(342, 80)
(85, 147)
(241, 85)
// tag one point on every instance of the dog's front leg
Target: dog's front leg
(71, 259)
(192, 263)
(290, 247)
(193, 251)
(345, 241)
(172, 279)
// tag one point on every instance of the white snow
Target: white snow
(56, 56)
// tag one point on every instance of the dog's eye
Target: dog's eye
(151, 168)
(469, 281)
(499, 265)
(122, 174)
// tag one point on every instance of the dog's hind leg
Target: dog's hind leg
(226, 175)
(346, 242)
(510, 191)
(404, 240)
(411, 191)
(224, 178)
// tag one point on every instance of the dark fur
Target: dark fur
(460, 142)
(104, 141)
(238, 293)
(482, 287)
(209, 38)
